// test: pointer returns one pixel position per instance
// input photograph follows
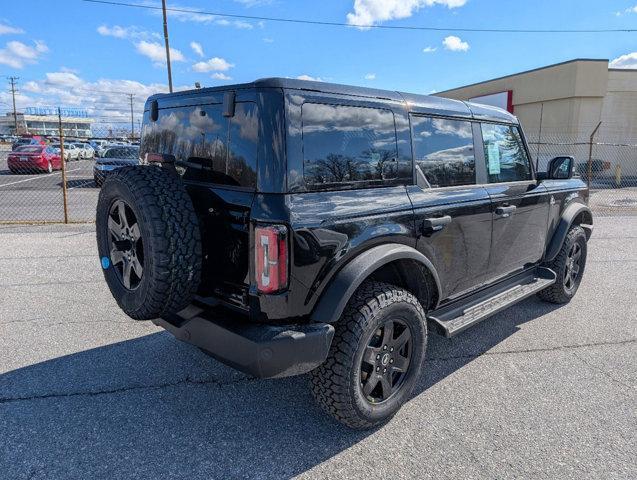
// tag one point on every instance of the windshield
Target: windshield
(30, 149)
(131, 153)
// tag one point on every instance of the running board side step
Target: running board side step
(458, 316)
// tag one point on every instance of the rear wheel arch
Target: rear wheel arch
(396, 264)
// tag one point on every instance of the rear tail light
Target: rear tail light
(271, 258)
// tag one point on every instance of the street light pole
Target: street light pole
(170, 76)
(12, 81)
(132, 118)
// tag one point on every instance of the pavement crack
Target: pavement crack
(602, 371)
(95, 393)
(530, 350)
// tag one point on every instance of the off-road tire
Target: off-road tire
(558, 293)
(336, 383)
(171, 240)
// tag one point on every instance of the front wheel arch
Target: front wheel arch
(574, 214)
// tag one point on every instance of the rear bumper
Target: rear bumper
(264, 351)
(26, 165)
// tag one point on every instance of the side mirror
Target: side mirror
(561, 168)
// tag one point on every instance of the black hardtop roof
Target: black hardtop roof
(416, 103)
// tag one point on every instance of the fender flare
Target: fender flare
(566, 221)
(334, 298)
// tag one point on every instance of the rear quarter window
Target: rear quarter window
(207, 146)
(443, 150)
(348, 146)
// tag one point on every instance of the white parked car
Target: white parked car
(86, 151)
(71, 151)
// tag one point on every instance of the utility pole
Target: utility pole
(12, 81)
(132, 119)
(170, 75)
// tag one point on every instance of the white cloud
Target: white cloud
(268, 40)
(308, 77)
(17, 54)
(190, 14)
(9, 30)
(455, 44)
(627, 11)
(104, 99)
(157, 52)
(130, 32)
(65, 79)
(215, 64)
(254, 3)
(370, 76)
(114, 31)
(625, 61)
(429, 49)
(220, 76)
(234, 23)
(197, 48)
(371, 12)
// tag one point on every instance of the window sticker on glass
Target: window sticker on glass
(493, 151)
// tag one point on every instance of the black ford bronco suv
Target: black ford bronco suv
(286, 226)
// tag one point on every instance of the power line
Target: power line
(386, 27)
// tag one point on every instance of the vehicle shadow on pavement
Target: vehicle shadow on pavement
(80, 183)
(153, 407)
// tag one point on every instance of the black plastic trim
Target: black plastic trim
(263, 351)
(334, 299)
(568, 216)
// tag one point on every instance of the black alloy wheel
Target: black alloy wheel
(125, 244)
(386, 360)
(569, 266)
(572, 270)
(375, 358)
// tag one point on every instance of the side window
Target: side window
(443, 151)
(242, 150)
(504, 154)
(345, 146)
(206, 145)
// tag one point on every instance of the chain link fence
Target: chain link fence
(40, 191)
(607, 165)
(37, 187)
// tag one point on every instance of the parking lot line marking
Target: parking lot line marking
(35, 178)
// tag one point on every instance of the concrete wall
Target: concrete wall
(573, 98)
(572, 94)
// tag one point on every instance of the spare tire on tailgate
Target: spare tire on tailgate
(148, 240)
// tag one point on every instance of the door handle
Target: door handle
(436, 223)
(505, 211)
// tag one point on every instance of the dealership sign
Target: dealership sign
(65, 112)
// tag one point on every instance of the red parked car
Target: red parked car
(34, 158)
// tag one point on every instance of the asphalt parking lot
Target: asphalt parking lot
(38, 196)
(535, 392)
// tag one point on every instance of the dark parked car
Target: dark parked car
(113, 158)
(33, 159)
(286, 227)
(24, 141)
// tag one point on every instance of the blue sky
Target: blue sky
(73, 53)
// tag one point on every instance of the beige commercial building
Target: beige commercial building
(563, 103)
